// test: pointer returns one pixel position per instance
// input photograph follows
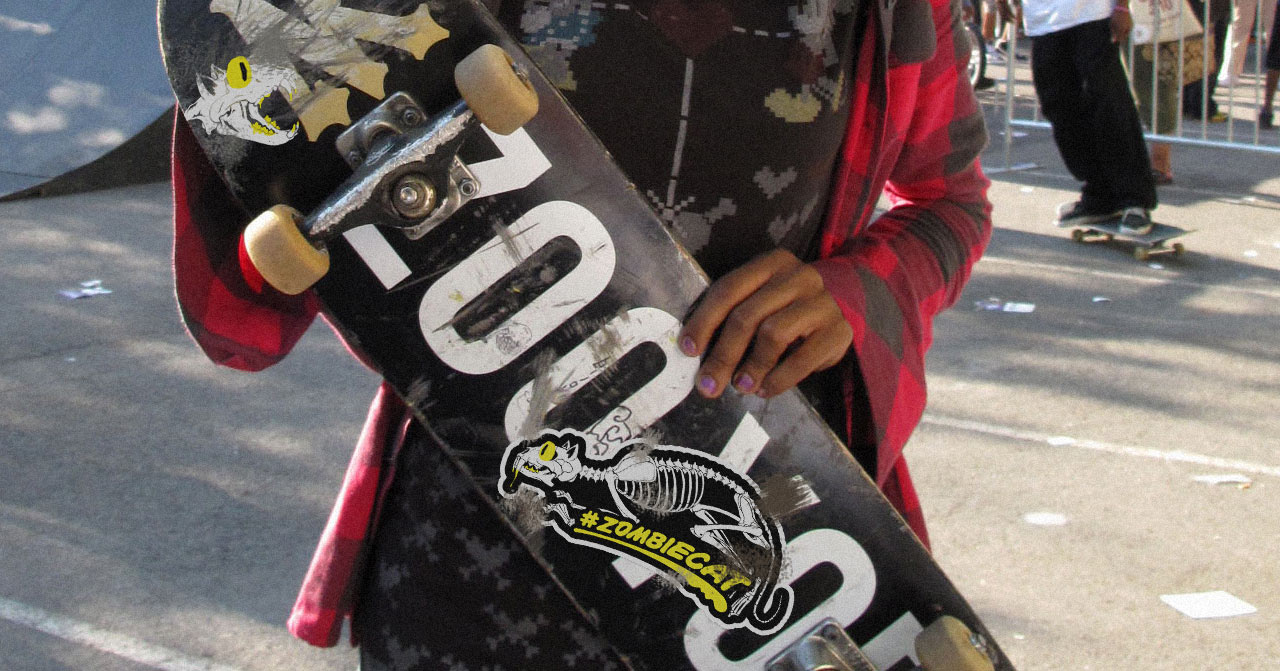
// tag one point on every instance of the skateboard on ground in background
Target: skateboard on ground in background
(1144, 246)
(468, 235)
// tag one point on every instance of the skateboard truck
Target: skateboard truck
(405, 165)
(946, 645)
(825, 647)
(411, 171)
(426, 192)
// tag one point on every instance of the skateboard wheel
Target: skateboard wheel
(1141, 253)
(1077, 235)
(501, 98)
(280, 253)
(1179, 249)
(949, 645)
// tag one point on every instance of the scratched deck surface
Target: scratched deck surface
(552, 302)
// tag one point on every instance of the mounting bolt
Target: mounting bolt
(468, 188)
(410, 117)
(413, 197)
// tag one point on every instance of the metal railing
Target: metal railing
(1239, 96)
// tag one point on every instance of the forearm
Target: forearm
(940, 219)
(892, 276)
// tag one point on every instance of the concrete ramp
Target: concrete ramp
(78, 78)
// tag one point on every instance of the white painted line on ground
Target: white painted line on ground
(1128, 277)
(1016, 167)
(120, 645)
(1061, 442)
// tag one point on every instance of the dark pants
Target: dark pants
(1273, 43)
(1085, 94)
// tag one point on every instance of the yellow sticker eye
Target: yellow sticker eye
(239, 74)
(548, 451)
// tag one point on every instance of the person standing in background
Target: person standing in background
(1197, 96)
(1084, 93)
(1155, 84)
(1265, 117)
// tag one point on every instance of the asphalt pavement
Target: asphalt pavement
(158, 512)
(1067, 457)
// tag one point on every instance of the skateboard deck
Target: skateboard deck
(1144, 246)
(524, 300)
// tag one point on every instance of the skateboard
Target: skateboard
(1144, 246)
(466, 233)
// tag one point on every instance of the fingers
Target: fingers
(762, 322)
(736, 305)
(727, 293)
(777, 325)
(818, 352)
(785, 331)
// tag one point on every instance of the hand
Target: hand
(1121, 24)
(775, 312)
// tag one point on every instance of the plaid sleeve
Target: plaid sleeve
(241, 323)
(237, 322)
(918, 140)
(329, 590)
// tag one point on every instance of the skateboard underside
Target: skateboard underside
(536, 326)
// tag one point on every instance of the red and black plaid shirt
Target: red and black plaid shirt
(914, 133)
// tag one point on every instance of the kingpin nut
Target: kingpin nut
(413, 197)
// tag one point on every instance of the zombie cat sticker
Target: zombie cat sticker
(680, 511)
(232, 102)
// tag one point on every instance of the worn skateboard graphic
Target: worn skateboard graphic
(1144, 246)
(466, 233)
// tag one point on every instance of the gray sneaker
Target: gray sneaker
(1074, 215)
(1135, 221)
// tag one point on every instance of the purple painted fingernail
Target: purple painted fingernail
(688, 347)
(707, 384)
(744, 383)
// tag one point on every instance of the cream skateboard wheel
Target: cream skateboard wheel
(279, 252)
(949, 645)
(500, 97)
